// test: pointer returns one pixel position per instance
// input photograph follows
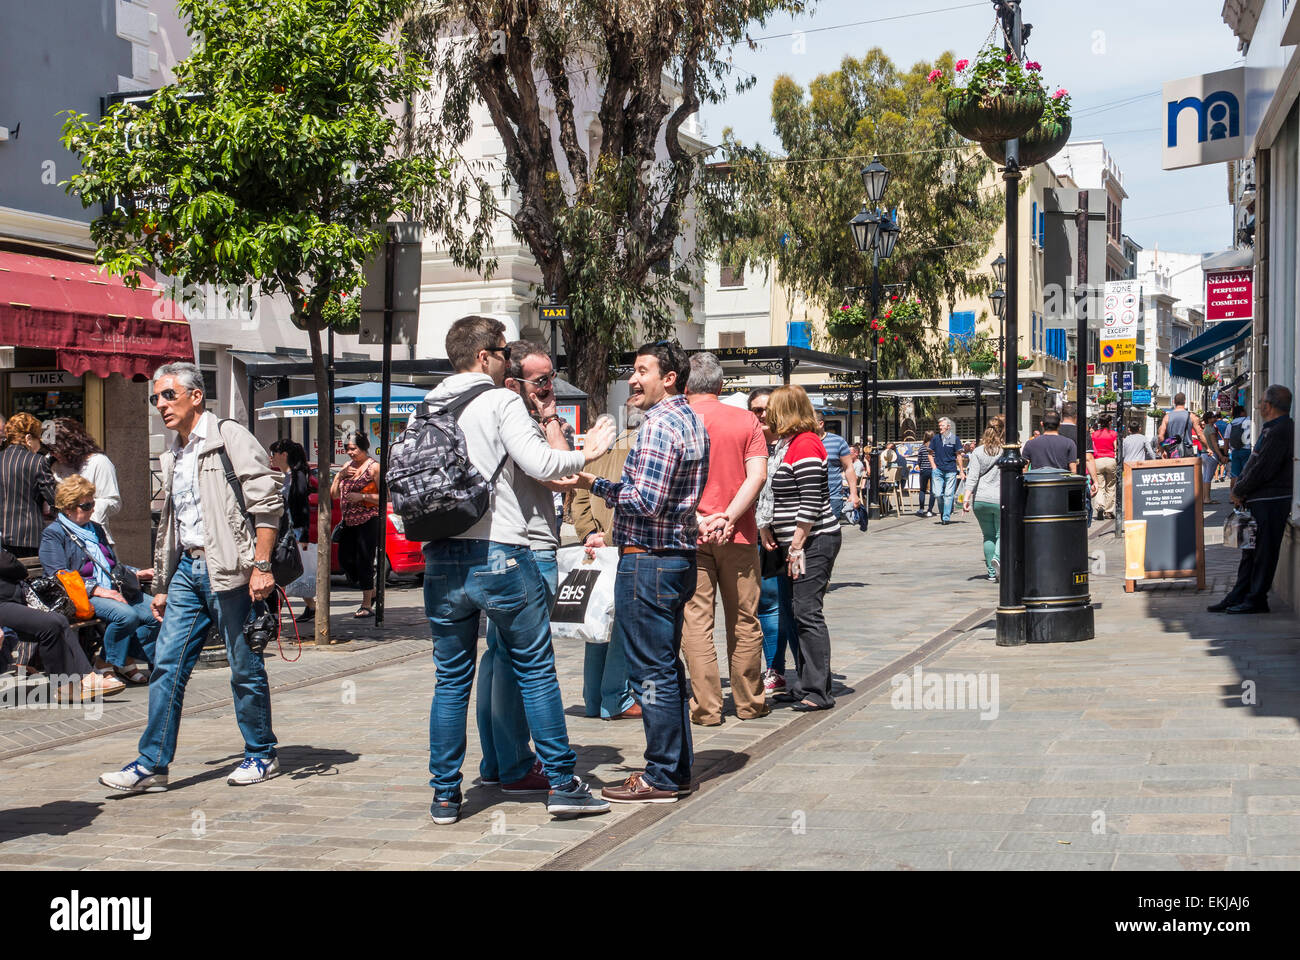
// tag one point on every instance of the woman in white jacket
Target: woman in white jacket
(75, 452)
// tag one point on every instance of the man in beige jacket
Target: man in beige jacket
(212, 562)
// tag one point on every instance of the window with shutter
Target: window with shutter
(731, 339)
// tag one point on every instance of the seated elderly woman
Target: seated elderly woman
(75, 542)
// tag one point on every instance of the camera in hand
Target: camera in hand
(261, 628)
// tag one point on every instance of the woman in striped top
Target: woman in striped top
(803, 526)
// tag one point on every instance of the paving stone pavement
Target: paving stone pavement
(1169, 742)
(353, 731)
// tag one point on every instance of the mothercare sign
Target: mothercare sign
(1203, 119)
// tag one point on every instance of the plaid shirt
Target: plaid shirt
(663, 478)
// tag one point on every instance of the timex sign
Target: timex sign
(1203, 119)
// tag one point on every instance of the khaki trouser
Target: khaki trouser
(729, 569)
(1106, 477)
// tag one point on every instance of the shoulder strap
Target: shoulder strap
(98, 561)
(457, 407)
(232, 478)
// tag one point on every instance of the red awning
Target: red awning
(93, 321)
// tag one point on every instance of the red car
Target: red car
(405, 558)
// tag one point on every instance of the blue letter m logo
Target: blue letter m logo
(1218, 117)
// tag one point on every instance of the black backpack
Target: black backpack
(432, 484)
(1237, 435)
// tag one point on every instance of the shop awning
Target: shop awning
(93, 321)
(1189, 360)
(403, 402)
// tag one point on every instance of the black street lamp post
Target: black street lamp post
(876, 232)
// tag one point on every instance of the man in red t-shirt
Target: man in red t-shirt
(727, 561)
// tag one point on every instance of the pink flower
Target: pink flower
(962, 65)
(1009, 58)
(1060, 93)
(1033, 66)
(934, 75)
(844, 306)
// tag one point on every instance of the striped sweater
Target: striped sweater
(799, 492)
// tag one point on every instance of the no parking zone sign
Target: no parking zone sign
(1123, 313)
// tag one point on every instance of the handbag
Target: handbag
(772, 562)
(48, 595)
(286, 560)
(76, 590)
(121, 576)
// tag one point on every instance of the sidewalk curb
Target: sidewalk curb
(587, 852)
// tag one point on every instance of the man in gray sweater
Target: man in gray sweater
(491, 567)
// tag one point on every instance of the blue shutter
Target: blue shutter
(1042, 227)
(1033, 225)
(961, 328)
(798, 335)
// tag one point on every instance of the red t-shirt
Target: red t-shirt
(734, 437)
(1103, 443)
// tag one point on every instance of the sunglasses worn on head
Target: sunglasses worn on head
(169, 395)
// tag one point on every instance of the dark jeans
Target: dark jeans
(650, 598)
(810, 619)
(46, 630)
(921, 492)
(357, 551)
(1255, 572)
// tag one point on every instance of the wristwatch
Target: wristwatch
(263, 565)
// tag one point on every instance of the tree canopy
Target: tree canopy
(793, 208)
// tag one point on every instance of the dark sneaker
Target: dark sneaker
(575, 799)
(636, 789)
(1220, 607)
(446, 811)
(534, 781)
(1248, 608)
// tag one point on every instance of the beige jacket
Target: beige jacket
(228, 539)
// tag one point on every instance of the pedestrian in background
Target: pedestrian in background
(26, 486)
(289, 457)
(839, 471)
(946, 450)
(1049, 450)
(1265, 489)
(1136, 446)
(657, 532)
(76, 454)
(1103, 452)
(727, 557)
(357, 488)
(776, 602)
(803, 525)
(925, 470)
(1239, 439)
(606, 687)
(984, 494)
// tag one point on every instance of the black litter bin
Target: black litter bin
(1057, 606)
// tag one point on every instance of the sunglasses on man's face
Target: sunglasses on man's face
(504, 351)
(169, 395)
(541, 383)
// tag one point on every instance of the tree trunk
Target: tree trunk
(324, 460)
(589, 371)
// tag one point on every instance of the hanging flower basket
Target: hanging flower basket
(1002, 116)
(1042, 142)
(1209, 378)
(1024, 363)
(980, 366)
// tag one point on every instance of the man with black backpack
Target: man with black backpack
(221, 511)
(480, 559)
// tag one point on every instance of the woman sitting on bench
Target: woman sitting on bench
(75, 542)
(71, 677)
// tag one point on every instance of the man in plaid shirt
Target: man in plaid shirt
(656, 530)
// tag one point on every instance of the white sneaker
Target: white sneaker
(253, 770)
(134, 778)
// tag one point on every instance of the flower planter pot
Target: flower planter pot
(980, 366)
(1002, 117)
(1024, 364)
(844, 329)
(1041, 142)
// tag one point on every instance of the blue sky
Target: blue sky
(1103, 51)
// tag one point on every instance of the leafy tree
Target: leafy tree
(793, 209)
(606, 222)
(274, 159)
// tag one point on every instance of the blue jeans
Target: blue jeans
(650, 599)
(944, 483)
(131, 632)
(776, 617)
(462, 577)
(499, 710)
(837, 507)
(192, 608)
(926, 486)
(606, 689)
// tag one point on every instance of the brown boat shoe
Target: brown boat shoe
(636, 789)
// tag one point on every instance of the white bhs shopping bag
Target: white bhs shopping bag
(584, 604)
